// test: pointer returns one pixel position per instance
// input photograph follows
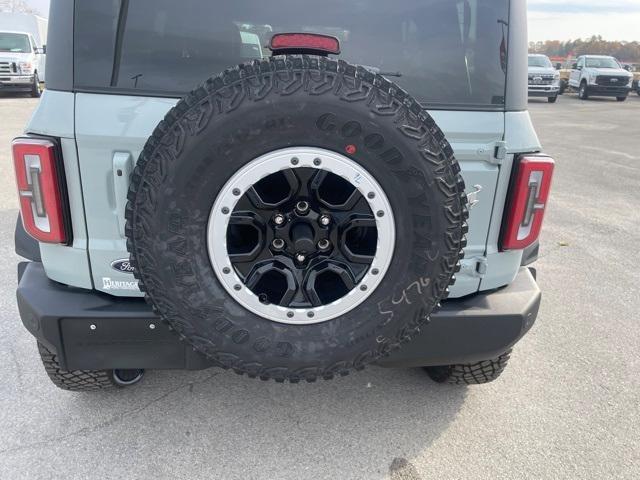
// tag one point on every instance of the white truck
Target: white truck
(600, 76)
(22, 53)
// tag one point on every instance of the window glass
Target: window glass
(14, 42)
(602, 62)
(444, 52)
(95, 27)
(539, 61)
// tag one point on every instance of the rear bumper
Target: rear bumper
(91, 331)
(475, 328)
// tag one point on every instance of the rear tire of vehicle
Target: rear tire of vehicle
(85, 380)
(552, 99)
(36, 91)
(472, 374)
(583, 93)
(621, 99)
(253, 110)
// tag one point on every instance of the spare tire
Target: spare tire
(296, 218)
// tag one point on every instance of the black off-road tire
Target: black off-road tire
(36, 91)
(268, 105)
(621, 99)
(552, 99)
(76, 380)
(474, 374)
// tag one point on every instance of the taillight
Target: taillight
(313, 42)
(39, 186)
(527, 202)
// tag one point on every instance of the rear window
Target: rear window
(447, 53)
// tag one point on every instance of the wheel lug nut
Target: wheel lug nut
(278, 243)
(302, 207)
(279, 219)
(325, 220)
(300, 257)
(324, 244)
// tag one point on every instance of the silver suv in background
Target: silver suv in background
(600, 76)
(544, 79)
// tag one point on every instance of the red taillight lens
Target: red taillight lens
(39, 188)
(305, 41)
(527, 202)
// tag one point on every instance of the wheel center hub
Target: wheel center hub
(302, 236)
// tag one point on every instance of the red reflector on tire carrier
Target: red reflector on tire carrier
(527, 202)
(39, 189)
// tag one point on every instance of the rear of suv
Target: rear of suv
(364, 188)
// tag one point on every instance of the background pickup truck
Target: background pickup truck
(602, 76)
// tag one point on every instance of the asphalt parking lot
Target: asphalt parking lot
(567, 407)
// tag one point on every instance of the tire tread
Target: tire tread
(471, 374)
(74, 380)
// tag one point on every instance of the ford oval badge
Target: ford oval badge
(123, 265)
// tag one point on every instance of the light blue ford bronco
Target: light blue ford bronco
(293, 190)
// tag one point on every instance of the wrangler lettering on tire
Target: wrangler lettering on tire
(296, 218)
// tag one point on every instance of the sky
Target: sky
(571, 19)
(558, 19)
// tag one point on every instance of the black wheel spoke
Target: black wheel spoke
(305, 178)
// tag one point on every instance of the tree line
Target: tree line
(596, 45)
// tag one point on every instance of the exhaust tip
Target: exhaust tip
(126, 377)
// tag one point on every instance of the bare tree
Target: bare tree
(17, 6)
(596, 45)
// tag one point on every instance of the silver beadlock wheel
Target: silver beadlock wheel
(301, 235)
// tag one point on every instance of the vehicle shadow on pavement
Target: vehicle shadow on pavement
(367, 425)
(370, 422)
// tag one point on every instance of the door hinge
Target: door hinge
(474, 267)
(499, 153)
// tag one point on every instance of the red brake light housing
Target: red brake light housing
(41, 187)
(312, 43)
(527, 201)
